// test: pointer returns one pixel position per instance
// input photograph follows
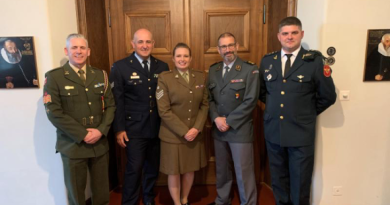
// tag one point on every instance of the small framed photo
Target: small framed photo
(18, 68)
(377, 66)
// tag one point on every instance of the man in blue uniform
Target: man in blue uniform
(296, 87)
(136, 124)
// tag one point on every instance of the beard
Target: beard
(14, 57)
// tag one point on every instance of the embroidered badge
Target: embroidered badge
(275, 57)
(237, 95)
(155, 75)
(46, 98)
(269, 77)
(237, 81)
(159, 94)
(238, 67)
(327, 71)
(66, 72)
(255, 71)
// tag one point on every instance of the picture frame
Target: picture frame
(377, 60)
(18, 68)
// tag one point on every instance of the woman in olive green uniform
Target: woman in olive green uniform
(183, 106)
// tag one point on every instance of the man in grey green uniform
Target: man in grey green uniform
(79, 103)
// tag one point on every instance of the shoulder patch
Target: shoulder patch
(250, 62)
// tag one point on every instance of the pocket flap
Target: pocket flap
(69, 92)
(237, 86)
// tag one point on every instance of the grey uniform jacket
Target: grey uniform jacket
(235, 97)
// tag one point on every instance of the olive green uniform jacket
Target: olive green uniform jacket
(181, 105)
(73, 107)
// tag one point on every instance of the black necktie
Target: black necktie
(146, 67)
(288, 64)
(226, 72)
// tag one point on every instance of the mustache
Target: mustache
(231, 52)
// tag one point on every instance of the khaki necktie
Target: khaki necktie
(82, 77)
(185, 76)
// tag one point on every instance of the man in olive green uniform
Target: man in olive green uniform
(80, 105)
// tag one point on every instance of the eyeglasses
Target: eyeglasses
(230, 46)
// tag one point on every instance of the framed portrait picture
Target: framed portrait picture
(377, 65)
(18, 68)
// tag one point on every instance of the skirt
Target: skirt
(182, 158)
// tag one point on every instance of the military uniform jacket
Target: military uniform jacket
(181, 105)
(72, 107)
(134, 90)
(234, 98)
(294, 101)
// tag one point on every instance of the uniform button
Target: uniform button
(68, 93)
(150, 96)
(190, 91)
(89, 103)
(149, 79)
(281, 117)
(129, 117)
(281, 105)
(86, 89)
(101, 91)
(151, 110)
(189, 118)
(282, 92)
(189, 110)
(150, 88)
(135, 83)
(190, 101)
(284, 80)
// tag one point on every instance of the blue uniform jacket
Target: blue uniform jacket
(294, 101)
(134, 91)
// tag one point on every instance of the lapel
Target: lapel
(90, 76)
(192, 78)
(153, 65)
(180, 78)
(278, 62)
(133, 62)
(234, 71)
(218, 73)
(297, 63)
(71, 75)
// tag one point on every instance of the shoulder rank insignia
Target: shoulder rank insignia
(269, 54)
(311, 55)
(238, 67)
(276, 57)
(250, 62)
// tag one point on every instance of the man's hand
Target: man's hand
(191, 134)
(93, 136)
(221, 124)
(121, 137)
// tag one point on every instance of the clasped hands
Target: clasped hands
(93, 136)
(221, 124)
(191, 134)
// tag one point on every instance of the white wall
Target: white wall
(30, 171)
(353, 144)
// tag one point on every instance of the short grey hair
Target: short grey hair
(75, 35)
(387, 35)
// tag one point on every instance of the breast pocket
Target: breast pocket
(301, 84)
(68, 98)
(237, 90)
(270, 79)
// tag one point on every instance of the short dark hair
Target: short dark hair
(226, 34)
(181, 45)
(289, 21)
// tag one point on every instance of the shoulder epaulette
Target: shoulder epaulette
(311, 55)
(54, 69)
(250, 62)
(268, 54)
(216, 63)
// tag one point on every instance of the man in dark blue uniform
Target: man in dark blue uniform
(296, 87)
(136, 124)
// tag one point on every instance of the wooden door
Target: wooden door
(198, 23)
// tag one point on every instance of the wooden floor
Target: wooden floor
(200, 195)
